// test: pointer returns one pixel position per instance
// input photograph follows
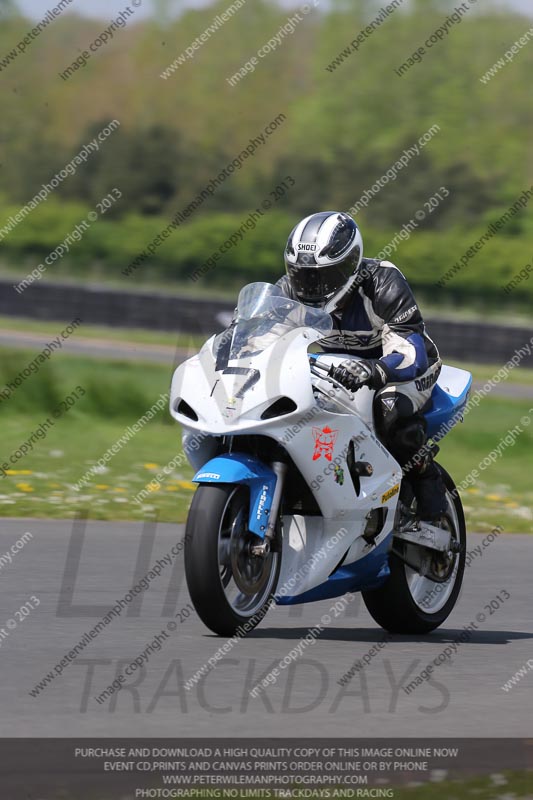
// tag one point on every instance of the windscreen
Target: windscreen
(264, 314)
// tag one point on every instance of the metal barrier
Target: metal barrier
(477, 342)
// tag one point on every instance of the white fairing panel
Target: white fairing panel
(312, 547)
(221, 399)
(453, 380)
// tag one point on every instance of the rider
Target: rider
(375, 317)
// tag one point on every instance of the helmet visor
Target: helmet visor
(315, 284)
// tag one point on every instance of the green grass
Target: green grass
(118, 390)
(126, 335)
(503, 494)
(497, 786)
(41, 485)
(118, 393)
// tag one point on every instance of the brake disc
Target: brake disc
(249, 573)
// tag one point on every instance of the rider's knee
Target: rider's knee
(408, 436)
(390, 410)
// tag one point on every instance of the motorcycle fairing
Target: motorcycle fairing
(449, 398)
(239, 468)
(322, 558)
(369, 572)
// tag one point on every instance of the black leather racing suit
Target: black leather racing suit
(380, 319)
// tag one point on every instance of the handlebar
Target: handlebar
(327, 373)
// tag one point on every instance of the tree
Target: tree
(142, 163)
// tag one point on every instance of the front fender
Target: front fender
(238, 468)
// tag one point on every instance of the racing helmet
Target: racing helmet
(322, 258)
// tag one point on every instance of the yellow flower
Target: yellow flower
(24, 487)
(101, 486)
(171, 489)
(187, 485)
(119, 489)
(473, 491)
(150, 466)
(19, 472)
(495, 497)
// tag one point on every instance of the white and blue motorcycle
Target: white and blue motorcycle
(298, 500)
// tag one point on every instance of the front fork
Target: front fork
(264, 547)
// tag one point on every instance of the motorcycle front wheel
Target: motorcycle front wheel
(230, 588)
(411, 603)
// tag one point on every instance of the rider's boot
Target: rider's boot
(409, 446)
(429, 490)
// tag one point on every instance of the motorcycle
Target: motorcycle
(298, 500)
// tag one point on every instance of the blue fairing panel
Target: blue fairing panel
(239, 468)
(445, 409)
(369, 572)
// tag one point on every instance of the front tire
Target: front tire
(230, 589)
(410, 603)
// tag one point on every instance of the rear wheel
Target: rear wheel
(413, 603)
(231, 590)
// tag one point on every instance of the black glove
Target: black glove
(355, 374)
